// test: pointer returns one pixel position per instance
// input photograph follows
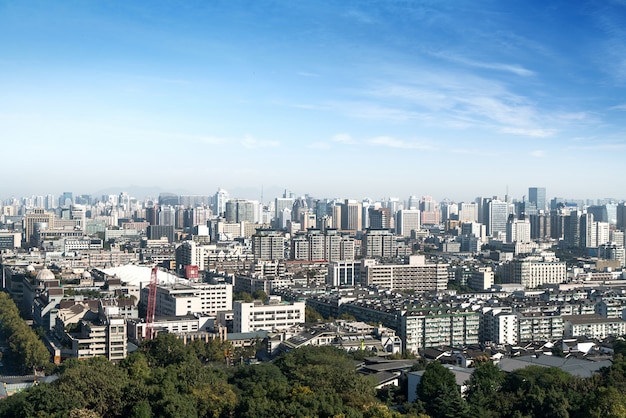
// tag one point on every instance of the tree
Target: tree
(311, 315)
(483, 386)
(166, 349)
(439, 392)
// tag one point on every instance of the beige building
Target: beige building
(416, 275)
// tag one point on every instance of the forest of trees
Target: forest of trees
(166, 378)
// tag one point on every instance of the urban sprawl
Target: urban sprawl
(498, 277)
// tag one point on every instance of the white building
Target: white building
(277, 315)
(592, 326)
(194, 298)
(407, 220)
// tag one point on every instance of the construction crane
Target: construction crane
(152, 291)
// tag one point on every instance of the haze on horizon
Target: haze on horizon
(380, 98)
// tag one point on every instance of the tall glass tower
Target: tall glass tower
(537, 195)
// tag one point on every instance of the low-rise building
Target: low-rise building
(276, 315)
(592, 326)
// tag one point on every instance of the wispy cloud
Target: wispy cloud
(344, 139)
(536, 133)
(253, 143)
(307, 74)
(510, 68)
(391, 142)
(458, 100)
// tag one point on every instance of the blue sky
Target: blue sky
(455, 99)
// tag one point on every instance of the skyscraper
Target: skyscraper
(351, 216)
(498, 214)
(537, 195)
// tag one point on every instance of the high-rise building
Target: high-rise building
(621, 216)
(351, 216)
(407, 220)
(497, 217)
(219, 202)
(66, 199)
(379, 218)
(268, 245)
(537, 195)
(429, 211)
(240, 210)
(167, 215)
(518, 230)
(378, 243)
(468, 212)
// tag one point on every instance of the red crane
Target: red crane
(152, 291)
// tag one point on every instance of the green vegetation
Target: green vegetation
(26, 351)
(166, 378)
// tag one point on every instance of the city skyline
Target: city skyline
(351, 99)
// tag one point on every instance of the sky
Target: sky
(351, 98)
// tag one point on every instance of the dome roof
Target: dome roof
(45, 274)
(30, 268)
(86, 275)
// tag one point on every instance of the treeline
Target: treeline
(530, 392)
(26, 351)
(168, 379)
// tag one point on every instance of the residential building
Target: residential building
(415, 275)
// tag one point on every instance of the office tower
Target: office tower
(152, 213)
(351, 216)
(468, 212)
(66, 199)
(540, 226)
(517, 230)
(50, 202)
(240, 210)
(282, 203)
(600, 213)
(299, 209)
(407, 220)
(379, 218)
(429, 211)
(449, 211)
(621, 216)
(537, 195)
(219, 202)
(413, 203)
(571, 229)
(497, 217)
(167, 216)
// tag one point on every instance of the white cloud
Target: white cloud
(253, 143)
(344, 139)
(511, 68)
(536, 133)
(391, 142)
